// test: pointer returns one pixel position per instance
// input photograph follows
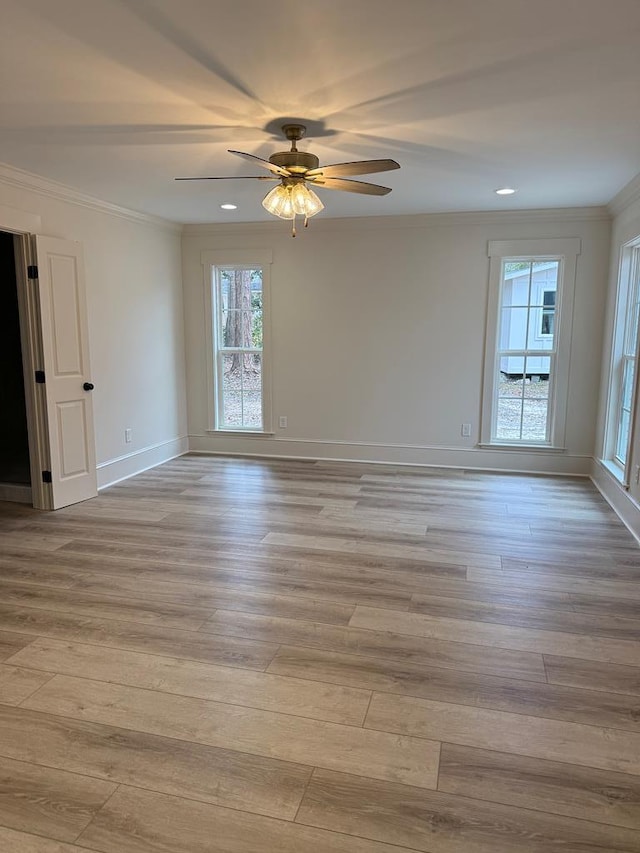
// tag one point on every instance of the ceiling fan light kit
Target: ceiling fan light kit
(292, 198)
(298, 170)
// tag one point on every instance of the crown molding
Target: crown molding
(628, 195)
(419, 220)
(12, 177)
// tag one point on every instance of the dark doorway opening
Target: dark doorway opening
(14, 440)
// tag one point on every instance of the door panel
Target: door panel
(66, 366)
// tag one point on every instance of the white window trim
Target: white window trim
(609, 459)
(566, 251)
(230, 258)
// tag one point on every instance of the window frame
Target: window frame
(212, 261)
(628, 285)
(566, 252)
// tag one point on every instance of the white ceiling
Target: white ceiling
(116, 97)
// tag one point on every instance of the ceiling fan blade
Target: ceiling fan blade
(277, 170)
(349, 186)
(359, 167)
(232, 178)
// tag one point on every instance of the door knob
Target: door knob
(88, 386)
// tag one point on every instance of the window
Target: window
(624, 358)
(547, 324)
(238, 312)
(528, 338)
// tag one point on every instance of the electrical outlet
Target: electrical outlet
(283, 421)
(466, 430)
(127, 436)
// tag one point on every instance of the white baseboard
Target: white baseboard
(15, 493)
(482, 458)
(123, 467)
(618, 498)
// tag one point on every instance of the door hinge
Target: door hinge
(32, 272)
(40, 377)
(46, 477)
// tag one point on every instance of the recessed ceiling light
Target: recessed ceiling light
(229, 206)
(505, 191)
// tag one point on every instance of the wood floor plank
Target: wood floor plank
(263, 733)
(593, 675)
(386, 571)
(546, 786)
(249, 590)
(441, 823)
(202, 597)
(22, 568)
(135, 821)
(177, 767)
(512, 594)
(499, 636)
(613, 624)
(34, 542)
(136, 636)
(23, 842)
(109, 607)
(379, 644)
(464, 688)
(412, 552)
(628, 589)
(575, 743)
(12, 643)
(267, 692)
(17, 683)
(49, 802)
(265, 575)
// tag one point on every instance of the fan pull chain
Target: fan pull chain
(306, 222)
(293, 226)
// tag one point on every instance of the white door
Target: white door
(67, 386)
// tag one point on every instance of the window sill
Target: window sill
(251, 433)
(615, 471)
(528, 448)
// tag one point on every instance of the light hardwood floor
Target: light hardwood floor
(249, 656)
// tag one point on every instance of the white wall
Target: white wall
(136, 335)
(626, 226)
(378, 336)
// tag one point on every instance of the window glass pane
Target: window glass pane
(631, 337)
(510, 395)
(232, 409)
(534, 419)
(508, 419)
(232, 329)
(252, 372)
(252, 409)
(623, 437)
(232, 389)
(627, 383)
(513, 328)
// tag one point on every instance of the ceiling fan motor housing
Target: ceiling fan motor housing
(296, 162)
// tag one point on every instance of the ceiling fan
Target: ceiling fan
(298, 171)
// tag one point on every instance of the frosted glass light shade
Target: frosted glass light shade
(305, 201)
(278, 202)
(287, 201)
